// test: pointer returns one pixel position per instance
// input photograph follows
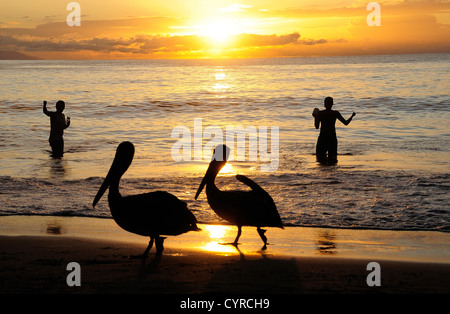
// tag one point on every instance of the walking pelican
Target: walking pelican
(150, 214)
(241, 208)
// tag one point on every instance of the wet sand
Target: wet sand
(35, 252)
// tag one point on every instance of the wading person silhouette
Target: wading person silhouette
(327, 141)
(58, 123)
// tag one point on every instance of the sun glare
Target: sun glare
(219, 31)
(216, 232)
(227, 169)
(216, 235)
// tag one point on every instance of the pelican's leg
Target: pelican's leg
(159, 245)
(263, 237)
(235, 243)
(145, 254)
(150, 244)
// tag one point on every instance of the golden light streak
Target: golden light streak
(216, 234)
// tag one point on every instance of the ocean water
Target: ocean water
(393, 170)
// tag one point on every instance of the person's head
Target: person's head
(328, 102)
(60, 105)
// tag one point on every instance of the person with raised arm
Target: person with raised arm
(327, 141)
(58, 123)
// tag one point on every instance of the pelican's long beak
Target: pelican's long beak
(211, 173)
(200, 188)
(219, 159)
(102, 190)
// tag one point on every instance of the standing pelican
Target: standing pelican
(150, 214)
(242, 208)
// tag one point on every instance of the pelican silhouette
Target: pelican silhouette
(150, 214)
(241, 208)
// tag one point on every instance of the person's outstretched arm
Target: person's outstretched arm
(345, 122)
(316, 118)
(44, 109)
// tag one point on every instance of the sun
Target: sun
(219, 31)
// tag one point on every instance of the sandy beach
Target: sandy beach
(35, 252)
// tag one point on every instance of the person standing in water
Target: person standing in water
(58, 124)
(327, 141)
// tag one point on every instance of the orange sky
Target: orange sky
(220, 29)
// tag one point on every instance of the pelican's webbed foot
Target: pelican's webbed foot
(235, 244)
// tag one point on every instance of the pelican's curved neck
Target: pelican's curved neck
(114, 187)
(210, 176)
(114, 178)
(210, 183)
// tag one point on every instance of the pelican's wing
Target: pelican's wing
(156, 203)
(270, 212)
(256, 188)
(252, 184)
(159, 211)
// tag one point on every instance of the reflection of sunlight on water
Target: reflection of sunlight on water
(228, 168)
(216, 233)
(326, 243)
(220, 76)
(220, 87)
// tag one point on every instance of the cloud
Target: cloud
(95, 28)
(147, 44)
(235, 8)
(252, 40)
(249, 40)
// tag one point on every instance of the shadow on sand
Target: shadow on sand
(257, 272)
